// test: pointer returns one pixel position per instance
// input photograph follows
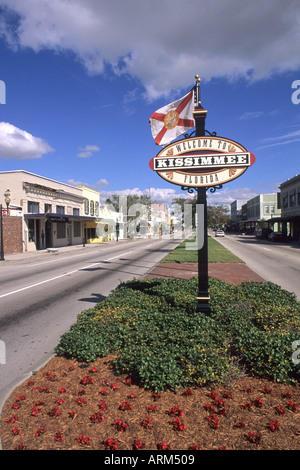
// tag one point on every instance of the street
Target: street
(275, 262)
(41, 296)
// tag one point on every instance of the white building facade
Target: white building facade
(52, 211)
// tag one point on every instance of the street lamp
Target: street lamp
(1, 235)
(7, 198)
(7, 202)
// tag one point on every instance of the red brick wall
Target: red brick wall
(12, 234)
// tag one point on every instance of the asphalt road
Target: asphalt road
(42, 294)
(273, 261)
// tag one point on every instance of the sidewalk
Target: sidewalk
(55, 251)
(234, 273)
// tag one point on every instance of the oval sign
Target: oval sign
(202, 161)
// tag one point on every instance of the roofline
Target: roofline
(39, 176)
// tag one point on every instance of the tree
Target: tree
(218, 216)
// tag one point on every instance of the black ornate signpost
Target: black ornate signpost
(199, 162)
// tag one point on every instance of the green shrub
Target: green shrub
(159, 338)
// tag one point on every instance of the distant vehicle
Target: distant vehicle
(263, 233)
(275, 237)
(219, 233)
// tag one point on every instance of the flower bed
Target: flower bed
(250, 414)
(143, 370)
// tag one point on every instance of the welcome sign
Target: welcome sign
(202, 161)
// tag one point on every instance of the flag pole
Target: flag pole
(203, 297)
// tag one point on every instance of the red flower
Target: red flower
(163, 446)
(83, 439)
(258, 402)
(58, 436)
(274, 425)
(266, 390)
(240, 425)
(97, 417)
(279, 410)
(152, 408)
(40, 431)
(178, 424)
(293, 406)
(253, 437)
(16, 431)
(12, 419)
(54, 412)
(137, 444)
(111, 443)
(86, 380)
(213, 421)
(175, 411)
(80, 401)
(125, 406)
(120, 425)
(102, 405)
(147, 423)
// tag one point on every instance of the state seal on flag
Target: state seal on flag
(171, 119)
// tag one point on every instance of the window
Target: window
(77, 229)
(272, 209)
(61, 230)
(48, 208)
(292, 200)
(267, 209)
(97, 208)
(75, 211)
(86, 206)
(92, 207)
(33, 207)
(60, 209)
(31, 230)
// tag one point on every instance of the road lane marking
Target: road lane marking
(61, 275)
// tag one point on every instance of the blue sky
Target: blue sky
(83, 77)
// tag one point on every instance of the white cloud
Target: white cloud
(18, 144)
(163, 43)
(161, 195)
(87, 151)
(99, 184)
(278, 140)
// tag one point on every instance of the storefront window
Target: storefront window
(61, 230)
(77, 229)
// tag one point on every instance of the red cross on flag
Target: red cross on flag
(172, 120)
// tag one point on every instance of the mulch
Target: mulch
(68, 405)
(228, 272)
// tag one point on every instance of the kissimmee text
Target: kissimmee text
(200, 161)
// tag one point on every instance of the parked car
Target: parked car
(219, 233)
(275, 237)
(263, 233)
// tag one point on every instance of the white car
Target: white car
(219, 233)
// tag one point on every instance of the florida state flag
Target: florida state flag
(172, 120)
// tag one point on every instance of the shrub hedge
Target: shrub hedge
(159, 338)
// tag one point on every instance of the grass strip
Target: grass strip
(217, 253)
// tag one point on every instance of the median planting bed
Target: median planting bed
(143, 370)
